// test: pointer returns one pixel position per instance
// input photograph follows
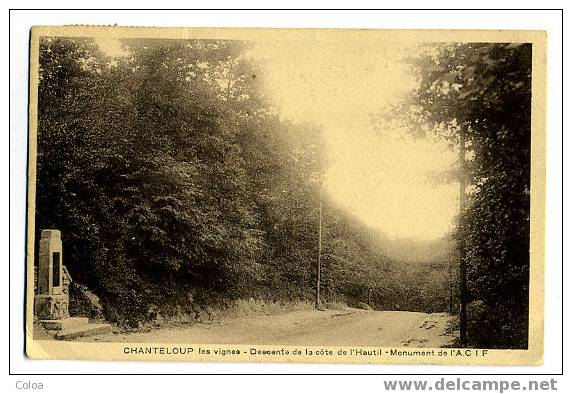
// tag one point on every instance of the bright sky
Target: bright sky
(382, 177)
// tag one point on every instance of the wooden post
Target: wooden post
(318, 304)
(450, 262)
(462, 251)
(228, 81)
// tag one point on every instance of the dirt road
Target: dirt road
(332, 327)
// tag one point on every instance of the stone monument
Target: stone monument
(51, 303)
(52, 300)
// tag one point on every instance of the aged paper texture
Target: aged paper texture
(286, 195)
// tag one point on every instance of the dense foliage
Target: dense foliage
(177, 186)
(485, 90)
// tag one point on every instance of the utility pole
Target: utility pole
(462, 251)
(228, 88)
(318, 304)
(450, 263)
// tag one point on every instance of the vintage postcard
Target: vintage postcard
(286, 195)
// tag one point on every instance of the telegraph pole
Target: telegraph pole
(318, 304)
(450, 263)
(228, 82)
(462, 251)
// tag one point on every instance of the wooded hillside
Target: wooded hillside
(176, 184)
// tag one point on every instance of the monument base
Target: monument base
(51, 307)
(65, 324)
(84, 331)
(75, 327)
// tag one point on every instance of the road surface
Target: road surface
(348, 327)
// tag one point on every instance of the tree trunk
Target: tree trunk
(462, 251)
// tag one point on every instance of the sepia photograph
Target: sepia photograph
(286, 195)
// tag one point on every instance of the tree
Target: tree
(485, 90)
(178, 187)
